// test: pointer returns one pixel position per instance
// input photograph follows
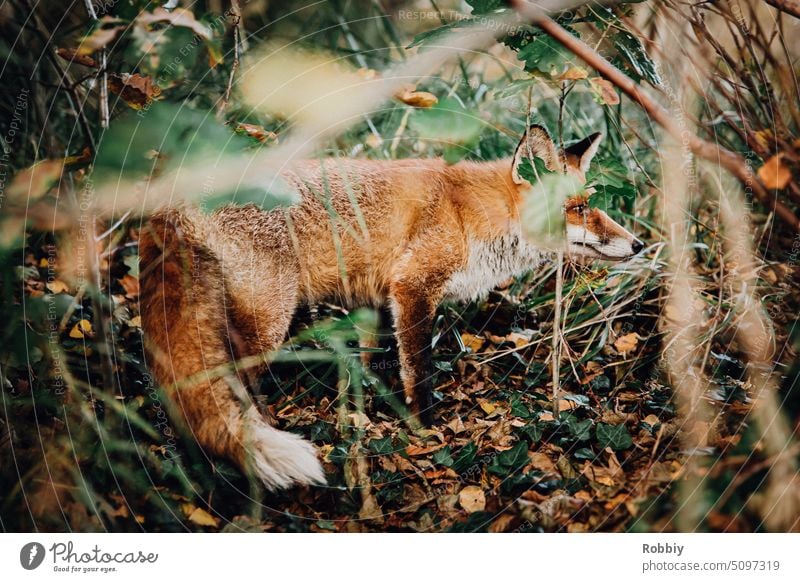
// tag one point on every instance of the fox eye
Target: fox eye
(580, 208)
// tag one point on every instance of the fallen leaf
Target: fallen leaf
(486, 406)
(138, 91)
(501, 524)
(627, 343)
(774, 173)
(414, 450)
(604, 91)
(81, 329)
(472, 499)
(136, 321)
(199, 515)
(473, 342)
(591, 371)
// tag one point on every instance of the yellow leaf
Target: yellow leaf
(774, 173)
(472, 499)
(627, 343)
(136, 321)
(81, 329)
(57, 286)
(473, 342)
(199, 515)
(486, 406)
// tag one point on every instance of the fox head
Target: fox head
(591, 233)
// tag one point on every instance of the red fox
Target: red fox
(223, 286)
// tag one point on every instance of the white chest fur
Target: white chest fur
(490, 263)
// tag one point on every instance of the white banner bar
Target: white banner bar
(400, 557)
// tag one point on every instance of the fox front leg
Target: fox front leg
(413, 322)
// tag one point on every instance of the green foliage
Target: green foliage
(614, 436)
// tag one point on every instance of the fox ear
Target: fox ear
(536, 143)
(585, 150)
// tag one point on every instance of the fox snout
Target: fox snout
(591, 233)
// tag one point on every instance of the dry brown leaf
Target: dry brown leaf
(72, 55)
(604, 90)
(541, 462)
(414, 450)
(501, 524)
(774, 173)
(564, 404)
(136, 90)
(472, 499)
(627, 343)
(591, 371)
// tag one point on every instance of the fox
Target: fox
(412, 233)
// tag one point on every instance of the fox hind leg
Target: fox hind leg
(183, 317)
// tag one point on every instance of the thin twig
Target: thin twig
(236, 18)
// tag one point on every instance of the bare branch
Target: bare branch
(791, 7)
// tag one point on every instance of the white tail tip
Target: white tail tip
(280, 459)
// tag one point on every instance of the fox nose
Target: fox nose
(637, 246)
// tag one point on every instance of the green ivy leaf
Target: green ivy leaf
(465, 458)
(510, 461)
(381, 446)
(443, 457)
(614, 436)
